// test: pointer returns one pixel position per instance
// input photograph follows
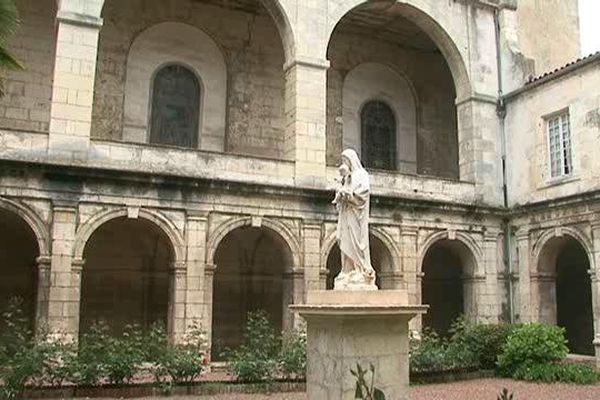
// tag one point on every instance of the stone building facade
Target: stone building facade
(174, 161)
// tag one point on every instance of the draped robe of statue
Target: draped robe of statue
(356, 272)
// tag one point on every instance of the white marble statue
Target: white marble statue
(352, 202)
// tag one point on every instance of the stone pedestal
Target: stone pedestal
(349, 327)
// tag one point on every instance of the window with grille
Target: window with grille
(175, 107)
(378, 136)
(559, 139)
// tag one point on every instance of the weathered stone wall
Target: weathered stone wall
(26, 105)
(253, 52)
(428, 73)
(527, 137)
(549, 32)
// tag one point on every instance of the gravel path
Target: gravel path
(484, 389)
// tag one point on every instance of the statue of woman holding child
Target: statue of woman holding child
(352, 202)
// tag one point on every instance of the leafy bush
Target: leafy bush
(180, 363)
(532, 345)
(292, 357)
(568, 373)
(256, 359)
(484, 340)
(434, 354)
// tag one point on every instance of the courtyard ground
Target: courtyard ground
(483, 389)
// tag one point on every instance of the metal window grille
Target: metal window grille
(559, 137)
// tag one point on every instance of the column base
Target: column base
(346, 328)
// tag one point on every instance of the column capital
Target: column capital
(307, 62)
(77, 265)
(73, 18)
(43, 262)
(294, 272)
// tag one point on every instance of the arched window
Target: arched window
(378, 136)
(175, 107)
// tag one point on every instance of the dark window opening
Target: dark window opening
(175, 107)
(378, 136)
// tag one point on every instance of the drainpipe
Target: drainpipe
(501, 111)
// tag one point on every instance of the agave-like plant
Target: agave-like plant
(9, 21)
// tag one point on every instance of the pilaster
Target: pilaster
(73, 83)
(305, 110)
(64, 290)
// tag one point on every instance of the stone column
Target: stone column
(63, 294)
(311, 251)
(523, 290)
(177, 295)
(595, 278)
(305, 110)
(293, 293)
(74, 78)
(196, 228)
(412, 270)
(42, 294)
(209, 274)
(489, 295)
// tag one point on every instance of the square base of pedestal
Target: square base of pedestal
(344, 329)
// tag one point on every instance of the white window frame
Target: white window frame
(560, 145)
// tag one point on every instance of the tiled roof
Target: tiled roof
(565, 68)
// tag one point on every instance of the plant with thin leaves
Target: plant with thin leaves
(506, 395)
(366, 390)
(9, 22)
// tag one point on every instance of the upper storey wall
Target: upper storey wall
(549, 32)
(528, 146)
(26, 105)
(254, 58)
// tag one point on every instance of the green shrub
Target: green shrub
(434, 354)
(256, 359)
(532, 345)
(181, 363)
(124, 356)
(484, 340)
(89, 365)
(550, 372)
(292, 357)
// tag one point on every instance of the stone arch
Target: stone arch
(572, 232)
(389, 253)
(254, 271)
(464, 239)
(24, 261)
(85, 231)
(419, 12)
(449, 265)
(276, 226)
(274, 7)
(34, 222)
(562, 288)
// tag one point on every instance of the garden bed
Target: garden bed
(449, 376)
(204, 388)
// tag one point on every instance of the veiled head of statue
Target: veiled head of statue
(350, 157)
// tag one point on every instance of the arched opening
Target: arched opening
(403, 39)
(251, 263)
(446, 286)
(240, 64)
(565, 291)
(378, 136)
(175, 107)
(18, 268)
(381, 260)
(125, 279)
